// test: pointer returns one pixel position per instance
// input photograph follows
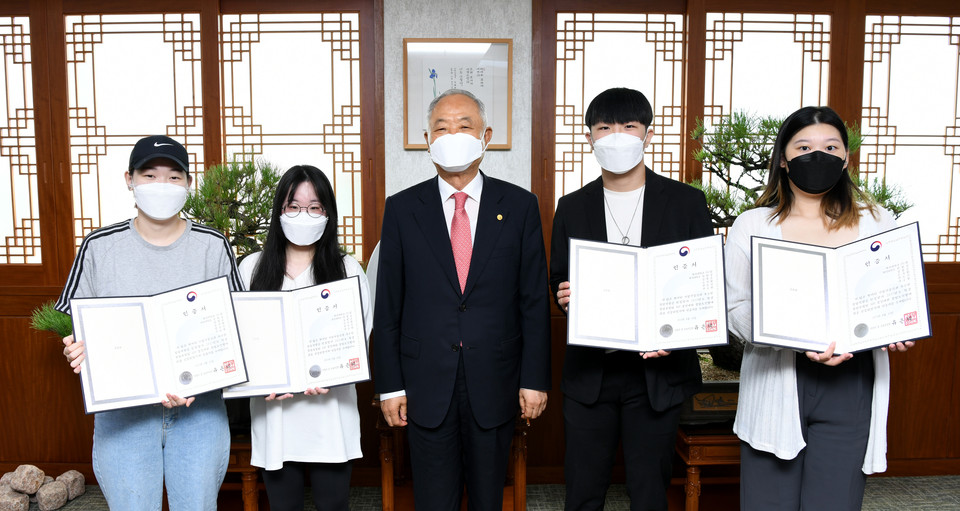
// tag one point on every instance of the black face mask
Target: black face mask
(815, 172)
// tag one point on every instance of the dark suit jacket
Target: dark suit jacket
(672, 211)
(502, 317)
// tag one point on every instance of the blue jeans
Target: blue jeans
(136, 449)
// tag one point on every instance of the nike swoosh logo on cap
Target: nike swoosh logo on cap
(158, 144)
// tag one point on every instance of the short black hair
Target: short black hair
(619, 105)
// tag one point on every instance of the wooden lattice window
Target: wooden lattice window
(911, 121)
(596, 51)
(291, 87)
(19, 204)
(764, 64)
(129, 76)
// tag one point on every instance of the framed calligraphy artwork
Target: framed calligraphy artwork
(483, 67)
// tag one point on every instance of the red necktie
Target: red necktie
(460, 238)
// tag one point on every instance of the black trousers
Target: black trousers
(459, 452)
(621, 414)
(329, 482)
(835, 412)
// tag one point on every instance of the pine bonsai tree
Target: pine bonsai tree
(236, 198)
(737, 154)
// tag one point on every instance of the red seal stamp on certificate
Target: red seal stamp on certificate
(229, 366)
(910, 318)
(354, 364)
(711, 325)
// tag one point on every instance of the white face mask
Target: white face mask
(456, 152)
(160, 201)
(303, 229)
(618, 152)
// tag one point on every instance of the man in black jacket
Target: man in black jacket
(612, 396)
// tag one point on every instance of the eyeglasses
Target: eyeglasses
(314, 209)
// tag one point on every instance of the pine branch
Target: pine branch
(46, 318)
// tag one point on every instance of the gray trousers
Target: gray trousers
(835, 420)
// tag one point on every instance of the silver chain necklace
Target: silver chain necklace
(624, 239)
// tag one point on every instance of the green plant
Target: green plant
(47, 319)
(736, 154)
(888, 196)
(236, 198)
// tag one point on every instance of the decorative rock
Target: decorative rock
(5, 480)
(13, 501)
(52, 496)
(75, 482)
(27, 479)
(46, 480)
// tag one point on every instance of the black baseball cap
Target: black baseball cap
(158, 146)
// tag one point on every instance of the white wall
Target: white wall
(493, 19)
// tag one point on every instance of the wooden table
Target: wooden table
(701, 446)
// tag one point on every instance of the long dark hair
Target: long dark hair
(327, 255)
(842, 203)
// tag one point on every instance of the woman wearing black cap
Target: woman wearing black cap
(811, 425)
(184, 443)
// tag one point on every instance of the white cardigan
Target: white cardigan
(768, 410)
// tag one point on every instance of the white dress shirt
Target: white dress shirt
(472, 206)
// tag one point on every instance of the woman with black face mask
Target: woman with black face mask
(811, 425)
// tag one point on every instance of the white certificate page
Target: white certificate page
(604, 302)
(885, 288)
(138, 349)
(203, 342)
(269, 349)
(645, 299)
(790, 302)
(119, 368)
(333, 334)
(689, 306)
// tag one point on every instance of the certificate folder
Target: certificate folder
(138, 349)
(868, 293)
(644, 299)
(303, 338)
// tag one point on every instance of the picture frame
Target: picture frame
(482, 66)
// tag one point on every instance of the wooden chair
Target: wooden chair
(239, 463)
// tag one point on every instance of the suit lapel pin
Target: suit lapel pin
(499, 217)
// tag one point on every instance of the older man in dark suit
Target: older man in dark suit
(619, 396)
(461, 325)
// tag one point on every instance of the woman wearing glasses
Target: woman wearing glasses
(316, 433)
